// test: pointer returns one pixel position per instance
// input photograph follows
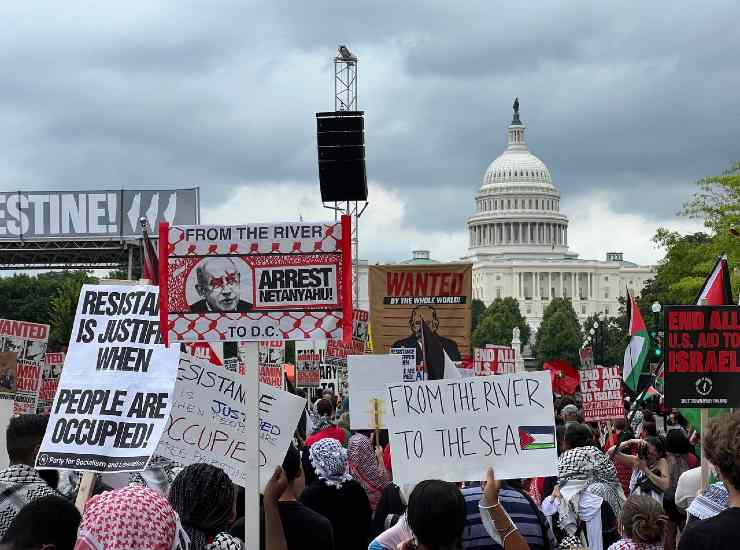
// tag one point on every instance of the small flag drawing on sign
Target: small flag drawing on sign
(536, 437)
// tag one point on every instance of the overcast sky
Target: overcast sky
(628, 103)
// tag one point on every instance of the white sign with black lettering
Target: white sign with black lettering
(209, 421)
(369, 376)
(114, 394)
(454, 429)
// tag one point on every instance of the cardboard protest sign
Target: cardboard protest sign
(369, 376)
(601, 391)
(402, 295)
(289, 281)
(360, 325)
(271, 356)
(408, 362)
(308, 373)
(53, 363)
(454, 429)
(208, 421)
(494, 360)
(701, 358)
(28, 342)
(8, 362)
(114, 393)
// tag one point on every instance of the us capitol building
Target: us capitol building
(519, 242)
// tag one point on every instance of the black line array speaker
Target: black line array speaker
(341, 142)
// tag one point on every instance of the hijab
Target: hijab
(365, 469)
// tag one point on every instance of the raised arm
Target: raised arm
(511, 539)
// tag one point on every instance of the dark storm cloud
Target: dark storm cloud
(624, 97)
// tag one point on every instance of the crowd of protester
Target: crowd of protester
(629, 487)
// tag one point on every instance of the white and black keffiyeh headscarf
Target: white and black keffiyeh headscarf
(329, 460)
(592, 467)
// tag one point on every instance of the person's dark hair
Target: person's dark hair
(648, 415)
(560, 437)
(650, 428)
(620, 424)
(203, 496)
(658, 443)
(237, 529)
(681, 420)
(23, 435)
(559, 420)
(643, 519)
(292, 463)
(436, 514)
(578, 435)
(47, 520)
(324, 407)
(677, 443)
(51, 477)
(722, 447)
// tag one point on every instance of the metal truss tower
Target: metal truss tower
(345, 99)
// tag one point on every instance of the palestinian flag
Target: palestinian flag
(536, 437)
(636, 354)
(716, 290)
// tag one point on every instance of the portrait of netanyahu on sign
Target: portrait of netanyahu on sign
(218, 283)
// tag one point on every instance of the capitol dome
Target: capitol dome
(517, 206)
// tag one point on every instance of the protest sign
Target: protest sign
(271, 355)
(221, 354)
(6, 413)
(28, 342)
(408, 362)
(360, 324)
(8, 361)
(208, 421)
(454, 429)
(288, 281)
(114, 393)
(601, 392)
(53, 363)
(369, 376)
(337, 351)
(701, 356)
(308, 373)
(329, 378)
(494, 360)
(402, 295)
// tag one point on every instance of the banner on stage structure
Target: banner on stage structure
(52, 371)
(494, 360)
(208, 421)
(28, 341)
(287, 281)
(369, 376)
(701, 359)
(115, 390)
(401, 296)
(454, 429)
(601, 391)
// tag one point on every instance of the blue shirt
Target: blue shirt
(521, 512)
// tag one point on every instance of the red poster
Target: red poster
(601, 390)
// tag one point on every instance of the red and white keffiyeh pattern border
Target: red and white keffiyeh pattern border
(307, 323)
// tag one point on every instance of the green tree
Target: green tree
(497, 323)
(615, 331)
(690, 258)
(63, 306)
(559, 335)
(478, 308)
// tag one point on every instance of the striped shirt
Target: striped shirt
(520, 510)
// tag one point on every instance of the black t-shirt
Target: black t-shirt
(717, 533)
(303, 527)
(347, 509)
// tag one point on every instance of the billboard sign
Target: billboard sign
(59, 215)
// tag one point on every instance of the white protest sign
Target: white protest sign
(454, 429)
(208, 422)
(114, 394)
(409, 363)
(369, 376)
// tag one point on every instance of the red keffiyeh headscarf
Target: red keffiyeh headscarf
(364, 467)
(130, 518)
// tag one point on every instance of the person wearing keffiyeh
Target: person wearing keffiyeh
(336, 496)
(130, 518)
(589, 493)
(364, 467)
